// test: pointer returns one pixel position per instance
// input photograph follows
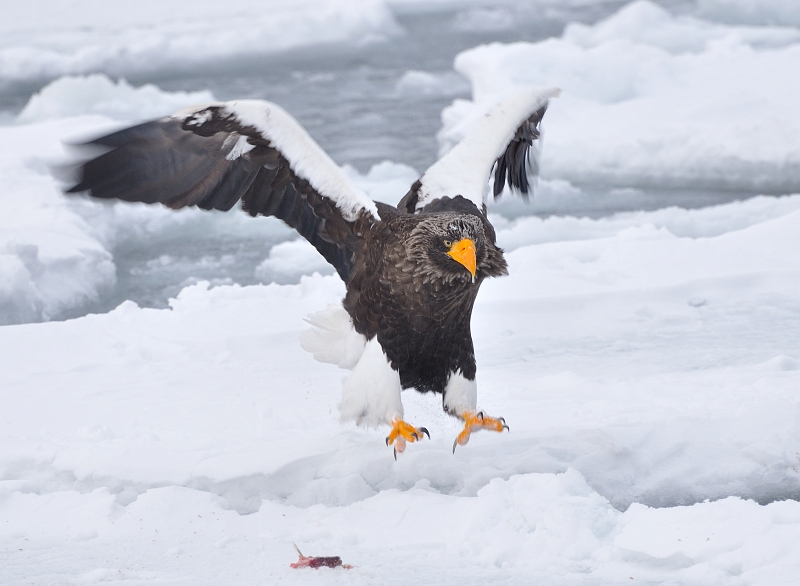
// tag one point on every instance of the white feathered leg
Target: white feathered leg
(460, 394)
(371, 394)
(461, 398)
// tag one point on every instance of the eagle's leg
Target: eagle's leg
(460, 399)
(401, 433)
(475, 422)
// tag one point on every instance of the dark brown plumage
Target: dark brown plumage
(417, 300)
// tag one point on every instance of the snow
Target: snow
(703, 222)
(48, 257)
(643, 22)
(97, 94)
(650, 99)
(288, 261)
(386, 182)
(44, 40)
(642, 371)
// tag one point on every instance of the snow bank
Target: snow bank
(653, 100)
(654, 364)
(289, 261)
(41, 39)
(416, 6)
(386, 182)
(704, 222)
(49, 260)
(97, 94)
(528, 528)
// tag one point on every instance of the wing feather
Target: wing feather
(217, 155)
(500, 140)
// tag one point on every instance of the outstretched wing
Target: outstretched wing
(501, 140)
(216, 155)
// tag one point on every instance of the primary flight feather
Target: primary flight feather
(412, 271)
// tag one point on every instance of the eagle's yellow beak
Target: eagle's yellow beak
(463, 251)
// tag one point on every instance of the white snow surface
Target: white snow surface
(651, 99)
(648, 372)
(49, 259)
(288, 260)
(42, 39)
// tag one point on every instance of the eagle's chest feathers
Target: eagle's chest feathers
(424, 327)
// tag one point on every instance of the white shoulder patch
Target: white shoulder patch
(241, 147)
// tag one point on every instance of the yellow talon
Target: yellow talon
(476, 422)
(401, 433)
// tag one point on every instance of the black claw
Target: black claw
(455, 443)
(387, 440)
(414, 435)
(395, 454)
(503, 419)
(507, 428)
(425, 431)
(480, 415)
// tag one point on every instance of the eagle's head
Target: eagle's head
(453, 247)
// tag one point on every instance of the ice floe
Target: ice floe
(650, 99)
(43, 40)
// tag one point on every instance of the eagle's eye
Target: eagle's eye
(448, 243)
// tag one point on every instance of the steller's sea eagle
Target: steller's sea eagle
(412, 271)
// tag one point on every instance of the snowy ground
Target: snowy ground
(648, 362)
(638, 369)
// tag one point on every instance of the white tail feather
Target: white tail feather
(332, 338)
